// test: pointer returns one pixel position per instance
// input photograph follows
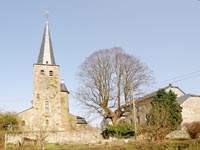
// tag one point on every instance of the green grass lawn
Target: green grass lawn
(180, 144)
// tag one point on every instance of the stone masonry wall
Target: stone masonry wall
(191, 111)
(65, 137)
(47, 89)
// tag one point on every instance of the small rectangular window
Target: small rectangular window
(23, 123)
(47, 122)
(46, 106)
(42, 72)
(137, 108)
(50, 73)
(138, 119)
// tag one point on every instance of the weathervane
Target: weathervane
(47, 14)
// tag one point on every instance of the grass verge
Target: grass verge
(180, 144)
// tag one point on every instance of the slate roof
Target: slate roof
(81, 120)
(183, 98)
(63, 88)
(151, 95)
(46, 55)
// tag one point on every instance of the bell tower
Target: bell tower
(47, 87)
(50, 105)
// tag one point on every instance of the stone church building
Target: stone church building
(50, 105)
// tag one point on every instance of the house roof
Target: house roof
(150, 96)
(183, 98)
(24, 110)
(46, 55)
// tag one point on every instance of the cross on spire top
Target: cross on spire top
(47, 14)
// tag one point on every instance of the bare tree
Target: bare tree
(106, 80)
(38, 134)
(193, 129)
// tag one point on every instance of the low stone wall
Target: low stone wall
(74, 137)
(65, 137)
(177, 134)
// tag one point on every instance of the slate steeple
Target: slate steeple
(46, 50)
(63, 88)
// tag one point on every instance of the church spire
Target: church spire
(46, 51)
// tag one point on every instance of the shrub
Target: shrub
(119, 131)
(8, 121)
(193, 129)
(163, 117)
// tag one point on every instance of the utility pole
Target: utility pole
(5, 142)
(134, 113)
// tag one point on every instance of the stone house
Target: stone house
(50, 105)
(189, 103)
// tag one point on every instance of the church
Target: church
(50, 104)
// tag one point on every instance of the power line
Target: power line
(180, 78)
(194, 76)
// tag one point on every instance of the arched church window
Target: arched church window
(46, 106)
(50, 73)
(23, 123)
(42, 72)
(47, 122)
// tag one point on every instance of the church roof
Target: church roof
(63, 88)
(46, 51)
(81, 120)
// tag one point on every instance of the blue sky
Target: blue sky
(163, 34)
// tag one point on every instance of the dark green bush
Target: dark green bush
(119, 131)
